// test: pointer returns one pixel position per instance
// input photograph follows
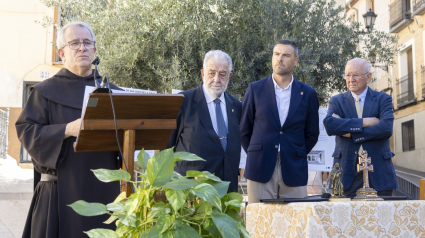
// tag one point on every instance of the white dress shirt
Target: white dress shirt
(211, 108)
(243, 159)
(283, 99)
(361, 95)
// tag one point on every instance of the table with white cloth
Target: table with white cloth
(337, 219)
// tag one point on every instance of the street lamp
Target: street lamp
(369, 19)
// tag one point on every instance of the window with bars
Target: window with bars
(405, 84)
(408, 135)
(25, 157)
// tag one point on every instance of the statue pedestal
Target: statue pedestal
(367, 194)
(339, 199)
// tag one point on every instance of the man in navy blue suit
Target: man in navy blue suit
(279, 127)
(362, 119)
(208, 123)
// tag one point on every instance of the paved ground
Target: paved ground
(16, 186)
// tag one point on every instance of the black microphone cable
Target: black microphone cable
(115, 121)
(116, 129)
(95, 62)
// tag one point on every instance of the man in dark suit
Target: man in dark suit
(279, 127)
(362, 119)
(208, 123)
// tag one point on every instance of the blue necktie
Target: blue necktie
(221, 126)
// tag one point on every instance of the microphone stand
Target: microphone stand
(103, 87)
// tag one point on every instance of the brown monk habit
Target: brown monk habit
(41, 127)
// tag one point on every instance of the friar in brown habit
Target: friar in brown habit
(47, 128)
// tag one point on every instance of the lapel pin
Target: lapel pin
(302, 93)
(233, 110)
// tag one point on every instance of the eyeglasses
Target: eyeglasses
(75, 45)
(355, 76)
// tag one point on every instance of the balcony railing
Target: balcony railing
(407, 95)
(4, 124)
(400, 16)
(407, 188)
(406, 98)
(418, 7)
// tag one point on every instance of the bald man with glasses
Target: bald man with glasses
(362, 119)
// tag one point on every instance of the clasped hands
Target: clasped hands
(367, 122)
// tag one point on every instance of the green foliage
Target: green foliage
(106, 176)
(181, 184)
(88, 209)
(160, 45)
(161, 170)
(193, 208)
(142, 159)
(102, 233)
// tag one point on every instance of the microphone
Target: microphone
(100, 87)
(96, 61)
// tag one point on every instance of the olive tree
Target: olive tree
(160, 44)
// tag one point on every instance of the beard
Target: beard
(282, 71)
(214, 91)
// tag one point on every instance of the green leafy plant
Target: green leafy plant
(192, 207)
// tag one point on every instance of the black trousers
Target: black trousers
(358, 183)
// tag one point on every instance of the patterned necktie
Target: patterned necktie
(359, 110)
(221, 125)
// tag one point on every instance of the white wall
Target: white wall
(25, 46)
(411, 159)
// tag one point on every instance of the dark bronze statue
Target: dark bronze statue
(336, 184)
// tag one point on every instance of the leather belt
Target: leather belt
(49, 177)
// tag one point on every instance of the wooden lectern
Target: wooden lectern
(143, 121)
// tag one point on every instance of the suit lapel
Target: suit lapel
(350, 106)
(296, 96)
(270, 96)
(369, 101)
(204, 115)
(232, 119)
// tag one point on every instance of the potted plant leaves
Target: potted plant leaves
(196, 205)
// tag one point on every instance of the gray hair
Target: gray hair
(218, 54)
(367, 67)
(366, 64)
(60, 40)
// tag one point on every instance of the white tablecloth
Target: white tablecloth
(337, 219)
